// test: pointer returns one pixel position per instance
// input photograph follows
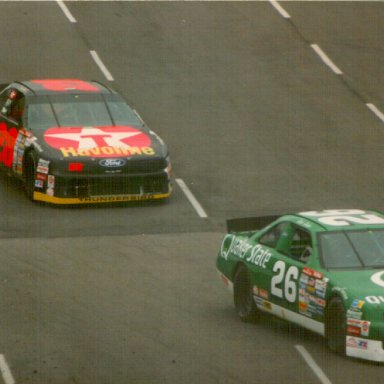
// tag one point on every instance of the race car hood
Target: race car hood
(97, 143)
(362, 284)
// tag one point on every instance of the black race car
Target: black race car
(73, 141)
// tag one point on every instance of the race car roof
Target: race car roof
(340, 219)
(65, 86)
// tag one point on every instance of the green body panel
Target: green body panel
(305, 288)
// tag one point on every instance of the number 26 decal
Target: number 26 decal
(283, 285)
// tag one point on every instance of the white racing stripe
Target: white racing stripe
(66, 11)
(312, 364)
(101, 65)
(326, 59)
(199, 209)
(280, 9)
(5, 371)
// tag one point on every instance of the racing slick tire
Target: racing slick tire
(335, 326)
(243, 295)
(30, 175)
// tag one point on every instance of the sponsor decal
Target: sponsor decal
(263, 293)
(376, 278)
(351, 314)
(99, 141)
(351, 342)
(65, 85)
(41, 176)
(259, 255)
(375, 299)
(361, 325)
(352, 330)
(312, 273)
(111, 199)
(362, 344)
(39, 183)
(51, 182)
(112, 163)
(357, 304)
(42, 169)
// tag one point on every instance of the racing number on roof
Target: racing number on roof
(345, 217)
(283, 285)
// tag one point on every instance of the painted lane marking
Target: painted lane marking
(376, 111)
(280, 9)
(5, 371)
(312, 364)
(199, 209)
(101, 65)
(66, 11)
(326, 60)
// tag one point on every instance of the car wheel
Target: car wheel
(30, 175)
(243, 296)
(336, 325)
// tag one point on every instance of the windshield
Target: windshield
(352, 249)
(81, 111)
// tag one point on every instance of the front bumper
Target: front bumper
(89, 189)
(365, 349)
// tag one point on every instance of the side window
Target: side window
(272, 237)
(13, 105)
(301, 245)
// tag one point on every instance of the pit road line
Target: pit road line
(198, 208)
(66, 11)
(101, 65)
(326, 59)
(376, 111)
(280, 9)
(5, 371)
(313, 365)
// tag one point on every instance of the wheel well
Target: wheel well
(26, 161)
(238, 265)
(326, 311)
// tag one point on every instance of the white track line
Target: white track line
(376, 111)
(5, 371)
(312, 364)
(101, 65)
(199, 209)
(280, 9)
(326, 59)
(64, 8)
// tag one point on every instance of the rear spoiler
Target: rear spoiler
(249, 223)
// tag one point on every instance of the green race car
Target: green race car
(322, 270)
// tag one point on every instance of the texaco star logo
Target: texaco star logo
(96, 141)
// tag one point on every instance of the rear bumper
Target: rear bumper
(365, 349)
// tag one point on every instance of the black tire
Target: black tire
(29, 175)
(243, 295)
(336, 325)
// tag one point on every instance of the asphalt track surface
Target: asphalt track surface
(257, 123)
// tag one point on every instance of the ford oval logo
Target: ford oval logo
(112, 163)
